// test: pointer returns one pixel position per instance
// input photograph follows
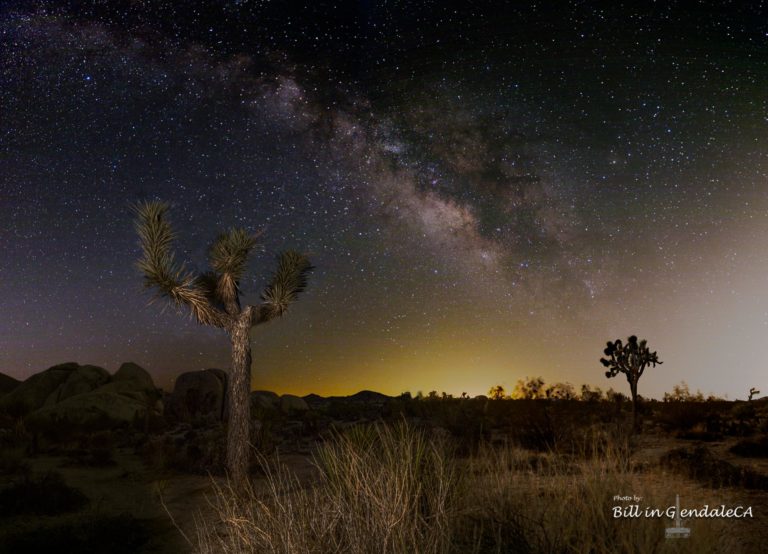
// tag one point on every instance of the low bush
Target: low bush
(682, 417)
(196, 451)
(751, 448)
(12, 462)
(46, 494)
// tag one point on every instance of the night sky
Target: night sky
(486, 193)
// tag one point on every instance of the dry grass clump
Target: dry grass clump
(394, 489)
(380, 489)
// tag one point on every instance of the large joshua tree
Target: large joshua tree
(214, 298)
(631, 359)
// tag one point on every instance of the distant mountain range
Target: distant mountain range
(362, 397)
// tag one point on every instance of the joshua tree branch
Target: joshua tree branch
(288, 281)
(163, 273)
(229, 256)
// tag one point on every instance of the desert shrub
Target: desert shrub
(751, 448)
(93, 450)
(343, 410)
(62, 432)
(394, 409)
(11, 429)
(91, 457)
(743, 420)
(196, 451)
(12, 462)
(681, 393)
(683, 416)
(699, 435)
(744, 411)
(615, 396)
(101, 456)
(560, 391)
(700, 464)
(122, 534)
(40, 495)
(535, 430)
(529, 389)
(589, 394)
(266, 435)
(14, 410)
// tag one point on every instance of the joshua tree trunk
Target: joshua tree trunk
(239, 385)
(635, 411)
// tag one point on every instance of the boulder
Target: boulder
(264, 400)
(134, 382)
(130, 371)
(131, 390)
(98, 409)
(7, 383)
(31, 394)
(130, 396)
(198, 395)
(84, 379)
(290, 403)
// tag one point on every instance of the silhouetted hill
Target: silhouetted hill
(362, 397)
(368, 396)
(315, 400)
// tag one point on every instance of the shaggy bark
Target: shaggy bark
(635, 412)
(239, 387)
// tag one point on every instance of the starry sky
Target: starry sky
(487, 193)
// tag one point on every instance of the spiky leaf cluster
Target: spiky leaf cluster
(160, 269)
(630, 358)
(288, 281)
(229, 257)
(213, 296)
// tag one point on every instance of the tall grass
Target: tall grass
(380, 489)
(394, 489)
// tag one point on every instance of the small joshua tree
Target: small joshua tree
(213, 298)
(752, 393)
(631, 359)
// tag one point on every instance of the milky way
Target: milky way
(485, 194)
